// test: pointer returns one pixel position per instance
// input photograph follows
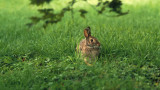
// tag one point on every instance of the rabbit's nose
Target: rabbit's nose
(98, 44)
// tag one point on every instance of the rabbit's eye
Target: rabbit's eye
(91, 40)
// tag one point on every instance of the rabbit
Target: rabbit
(89, 47)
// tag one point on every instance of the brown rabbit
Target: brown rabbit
(89, 47)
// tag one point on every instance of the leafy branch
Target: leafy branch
(50, 17)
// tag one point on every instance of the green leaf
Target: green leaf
(35, 19)
(115, 5)
(39, 2)
(83, 12)
(46, 11)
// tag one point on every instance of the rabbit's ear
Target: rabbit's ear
(87, 32)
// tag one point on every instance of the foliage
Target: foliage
(50, 17)
(40, 2)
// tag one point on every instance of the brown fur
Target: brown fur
(89, 47)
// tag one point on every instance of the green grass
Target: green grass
(129, 59)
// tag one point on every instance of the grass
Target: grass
(34, 58)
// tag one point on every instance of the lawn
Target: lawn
(37, 58)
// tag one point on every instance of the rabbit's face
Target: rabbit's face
(92, 42)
